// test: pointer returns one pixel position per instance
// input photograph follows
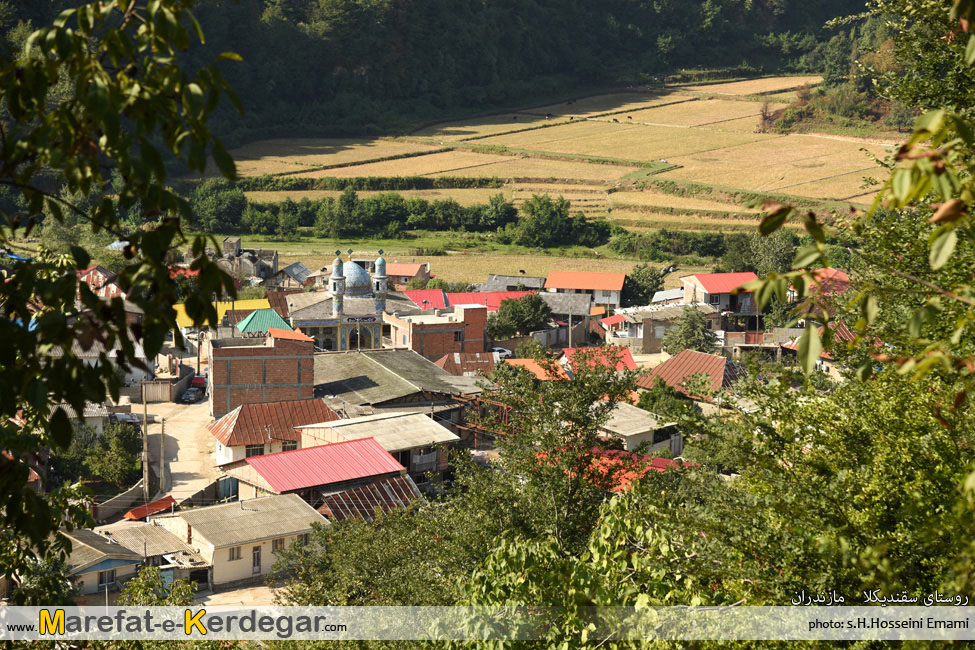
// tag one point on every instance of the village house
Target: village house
(293, 276)
(542, 373)
(439, 332)
(313, 469)
(160, 548)
(642, 329)
(668, 296)
(240, 262)
(826, 362)
(605, 288)
(362, 501)
(367, 382)
(131, 376)
(511, 283)
(101, 281)
(97, 564)
(414, 439)
(254, 370)
(683, 369)
(255, 429)
(616, 357)
(259, 321)
(239, 540)
(401, 273)
(639, 429)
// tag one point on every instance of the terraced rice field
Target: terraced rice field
(288, 155)
(757, 86)
(704, 112)
(462, 196)
(663, 200)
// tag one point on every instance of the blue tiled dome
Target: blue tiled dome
(356, 278)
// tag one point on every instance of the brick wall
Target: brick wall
(275, 371)
(462, 331)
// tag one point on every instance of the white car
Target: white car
(503, 353)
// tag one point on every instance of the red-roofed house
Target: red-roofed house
(427, 298)
(307, 472)
(720, 372)
(826, 363)
(605, 288)
(470, 364)
(101, 281)
(621, 357)
(715, 289)
(532, 366)
(257, 429)
(490, 299)
(400, 273)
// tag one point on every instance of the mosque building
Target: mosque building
(349, 314)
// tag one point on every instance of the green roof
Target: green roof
(260, 320)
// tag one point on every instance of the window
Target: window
(404, 339)
(458, 336)
(106, 577)
(234, 553)
(277, 544)
(253, 450)
(714, 298)
(289, 445)
(304, 539)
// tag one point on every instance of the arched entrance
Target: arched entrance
(360, 339)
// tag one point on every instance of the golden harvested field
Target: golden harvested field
(755, 86)
(663, 200)
(474, 267)
(704, 112)
(450, 163)
(611, 103)
(294, 154)
(463, 130)
(517, 167)
(627, 141)
(781, 164)
(462, 196)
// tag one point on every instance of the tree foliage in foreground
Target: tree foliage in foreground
(690, 332)
(96, 97)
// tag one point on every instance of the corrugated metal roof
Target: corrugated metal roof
(468, 363)
(490, 299)
(677, 369)
(435, 298)
(628, 420)
(288, 335)
(252, 520)
(89, 548)
(145, 539)
(668, 294)
(278, 299)
(585, 280)
(404, 269)
(257, 424)
(622, 356)
(297, 271)
(613, 320)
(396, 431)
(724, 282)
(324, 465)
(532, 366)
(384, 494)
(151, 508)
(260, 320)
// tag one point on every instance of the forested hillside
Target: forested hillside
(360, 66)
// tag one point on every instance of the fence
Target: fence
(556, 337)
(118, 505)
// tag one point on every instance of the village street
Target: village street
(188, 447)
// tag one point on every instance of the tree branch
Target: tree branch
(914, 278)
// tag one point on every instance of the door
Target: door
(256, 564)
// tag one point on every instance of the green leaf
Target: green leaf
(224, 161)
(229, 56)
(970, 50)
(870, 308)
(81, 256)
(942, 248)
(806, 256)
(60, 428)
(810, 346)
(774, 220)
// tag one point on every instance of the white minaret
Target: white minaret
(336, 285)
(380, 284)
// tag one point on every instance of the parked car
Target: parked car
(503, 353)
(191, 395)
(200, 381)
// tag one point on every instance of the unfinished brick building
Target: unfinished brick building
(252, 371)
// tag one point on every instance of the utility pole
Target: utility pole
(145, 452)
(570, 328)
(162, 457)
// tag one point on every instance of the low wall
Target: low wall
(115, 507)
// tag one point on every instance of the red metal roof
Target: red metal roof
(490, 299)
(677, 369)
(585, 280)
(622, 356)
(324, 465)
(436, 298)
(151, 508)
(723, 282)
(257, 424)
(279, 301)
(362, 501)
(466, 363)
(532, 366)
(832, 280)
(613, 320)
(288, 335)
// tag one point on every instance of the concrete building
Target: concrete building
(637, 428)
(642, 329)
(258, 429)
(159, 548)
(716, 289)
(97, 563)
(238, 261)
(239, 540)
(511, 283)
(437, 332)
(605, 288)
(272, 369)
